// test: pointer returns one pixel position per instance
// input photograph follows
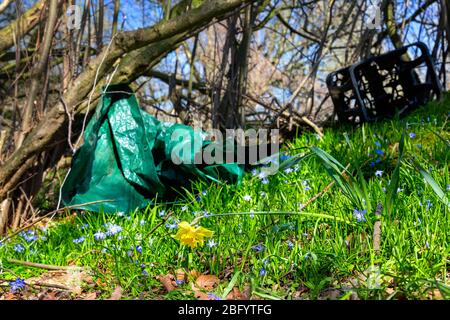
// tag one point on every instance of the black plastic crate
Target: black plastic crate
(381, 86)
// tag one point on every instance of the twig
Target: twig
(50, 285)
(314, 126)
(42, 266)
(377, 229)
(157, 226)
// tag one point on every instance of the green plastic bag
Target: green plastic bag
(126, 157)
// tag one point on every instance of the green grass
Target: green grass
(306, 252)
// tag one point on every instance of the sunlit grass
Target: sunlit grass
(262, 230)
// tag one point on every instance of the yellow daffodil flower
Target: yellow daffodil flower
(191, 236)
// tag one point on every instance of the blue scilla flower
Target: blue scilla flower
(211, 243)
(359, 215)
(17, 284)
(262, 272)
(78, 240)
(412, 135)
(258, 248)
(29, 236)
(99, 235)
(290, 244)
(213, 296)
(113, 229)
(288, 170)
(379, 152)
(18, 248)
(139, 249)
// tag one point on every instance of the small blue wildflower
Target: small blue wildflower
(84, 226)
(254, 172)
(17, 284)
(172, 224)
(206, 214)
(129, 253)
(419, 146)
(18, 248)
(262, 175)
(262, 272)
(204, 192)
(247, 198)
(184, 208)
(142, 222)
(379, 152)
(427, 245)
(258, 248)
(288, 170)
(378, 173)
(378, 144)
(284, 157)
(78, 240)
(179, 282)
(211, 243)
(99, 235)
(213, 296)
(372, 163)
(145, 273)
(113, 229)
(428, 204)
(264, 181)
(162, 213)
(448, 187)
(290, 244)
(266, 261)
(139, 249)
(29, 236)
(359, 215)
(412, 135)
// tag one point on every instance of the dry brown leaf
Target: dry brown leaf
(207, 281)
(194, 274)
(48, 295)
(167, 282)
(116, 294)
(235, 294)
(92, 296)
(71, 279)
(200, 295)
(435, 295)
(9, 296)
